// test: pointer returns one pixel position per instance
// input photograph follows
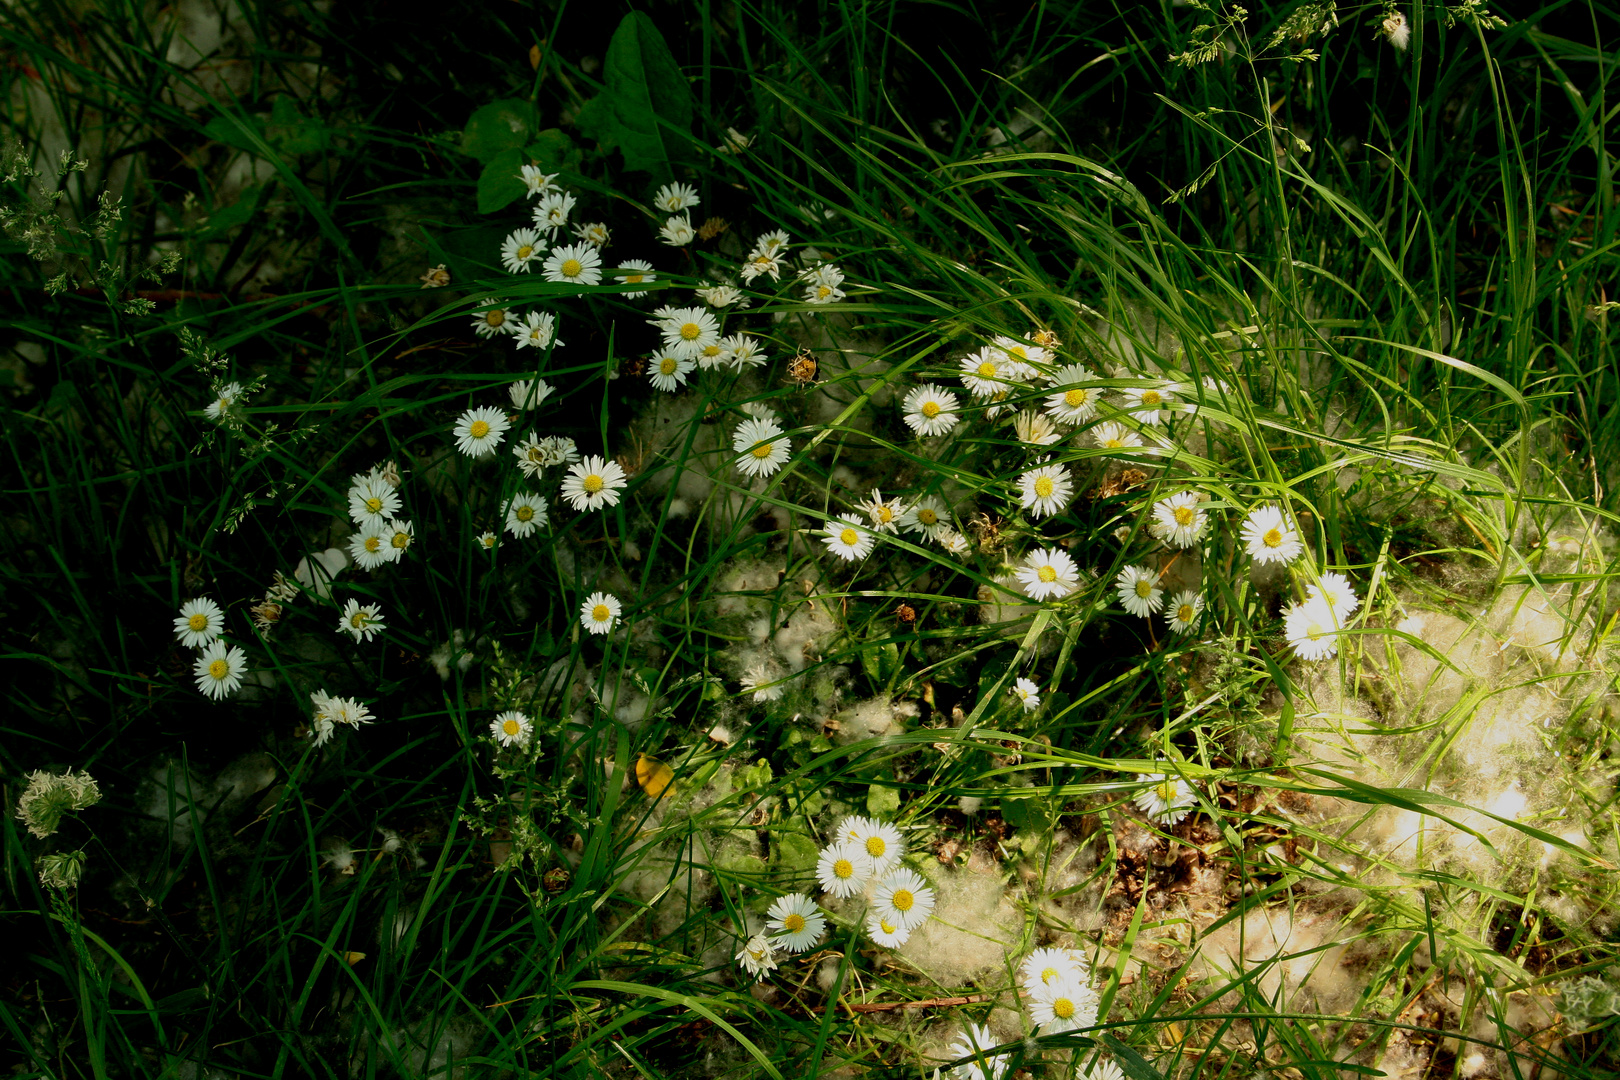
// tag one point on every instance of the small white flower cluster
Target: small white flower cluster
(331, 711)
(374, 505)
(1057, 990)
(851, 539)
(1312, 626)
(219, 667)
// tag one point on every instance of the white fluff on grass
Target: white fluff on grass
(1272, 939)
(974, 926)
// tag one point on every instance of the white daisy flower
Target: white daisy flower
(774, 242)
(372, 501)
(926, 517)
(479, 431)
(677, 231)
(574, 264)
(534, 455)
(369, 548)
(931, 410)
(760, 263)
(743, 350)
(885, 516)
(397, 535)
(1061, 1006)
(757, 956)
(761, 447)
(823, 274)
(361, 621)
(1021, 358)
(595, 234)
(1139, 591)
(599, 612)
(988, 372)
(529, 393)
(199, 623)
(537, 182)
(1269, 538)
(486, 540)
(1115, 437)
(756, 681)
(593, 483)
(1048, 573)
(1179, 520)
(843, 868)
(526, 513)
(688, 330)
(891, 934)
(976, 1042)
(1167, 799)
(880, 840)
(520, 249)
(490, 322)
(668, 372)
(551, 212)
(1184, 610)
(1050, 967)
(1028, 694)
(819, 293)
(347, 711)
(219, 669)
(1146, 402)
(952, 541)
(636, 272)
(1045, 490)
(720, 295)
(713, 355)
(225, 401)
(848, 539)
(673, 198)
(796, 922)
(904, 897)
(1103, 1070)
(1311, 628)
(1075, 401)
(1035, 429)
(511, 728)
(536, 330)
(1335, 590)
(320, 730)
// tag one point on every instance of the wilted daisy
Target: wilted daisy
(369, 548)
(743, 350)
(1139, 590)
(975, 1043)
(398, 535)
(491, 321)
(1045, 490)
(1028, 694)
(552, 211)
(346, 711)
(224, 401)
(720, 295)
(904, 897)
(821, 284)
(1179, 520)
(796, 921)
(526, 513)
(673, 198)
(1020, 357)
(760, 263)
(1115, 437)
(361, 621)
(1049, 967)
(199, 623)
(951, 540)
(668, 372)
(520, 249)
(1167, 799)
(593, 483)
(931, 410)
(536, 330)
(687, 330)
(843, 868)
(599, 612)
(1146, 402)
(479, 431)
(757, 681)
(757, 956)
(1334, 590)
(636, 272)
(529, 393)
(1183, 611)
(595, 234)
(1035, 428)
(925, 517)
(848, 539)
(761, 447)
(372, 501)
(880, 840)
(511, 728)
(1064, 1005)
(887, 932)
(1048, 573)
(884, 516)
(1269, 538)
(219, 668)
(574, 264)
(677, 231)
(1076, 401)
(1311, 628)
(535, 181)
(534, 455)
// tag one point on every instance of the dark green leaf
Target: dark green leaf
(652, 103)
(500, 183)
(498, 126)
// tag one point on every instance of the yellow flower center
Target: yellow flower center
(849, 537)
(1075, 398)
(691, 331)
(525, 250)
(843, 869)
(601, 613)
(634, 279)
(762, 451)
(373, 505)
(930, 409)
(1048, 974)
(525, 513)
(199, 621)
(401, 540)
(1273, 538)
(1184, 515)
(902, 900)
(373, 544)
(1113, 444)
(876, 847)
(888, 927)
(494, 318)
(987, 370)
(1165, 790)
(592, 483)
(1043, 486)
(1151, 397)
(219, 669)
(1185, 613)
(1314, 631)
(1046, 573)
(358, 620)
(571, 268)
(823, 292)
(927, 516)
(478, 429)
(884, 514)
(487, 541)
(1018, 352)
(1144, 588)
(1063, 1008)
(793, 923)
(667, 366)
(511, 727)
(711, 351)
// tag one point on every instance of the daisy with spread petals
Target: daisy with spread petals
(760, 446)
(1334, 590)
(1179, 520)
(511, 729)
(372, 501)
(774, 242)
(1311, 629)
(743, 350)
(1115, 437)
(757, 956)
(1023, 356)
(848, 539)
(1075, 401)
(1048, 573)
(1183, 611)
(398, 535)
(1064, 1005)
(599, 612)
(368, 548)
(880, 840)
(520, 249)
(843, 868)
(985, 373)
(1045, 490)
(225, 401)
(796, 922)
(926, 517)
(199, 623)
(361, 621)
(1269, 538)
(886, 931)
(758, 681)
(525, 514)
(677, 231)
(593, 483)
(219, 670)
(668, 372)
(552, 211)
(536, 330)
(490, 322)
(931, 410)
(479, 431)
(574, 264)
(1048, 967)
(885, 516)
(595, 234)
(636, 272)
(688, 330)
(673, 198)
(1139, 591)
(975, 1044)
(1028, 694)
(1167, 799)
(1098, 1069)
(1146, 402)
(952, 541)
(903, 897)
(486, 540)
(536, 182)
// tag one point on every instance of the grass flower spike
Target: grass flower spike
(479, 431)
(361, 621)
(1048, 574)
(599, 612)
(931, 410)
(848, 539)
(199, 623)
(796, 921)
(219, 670)
(593, 483)
(1139, 591)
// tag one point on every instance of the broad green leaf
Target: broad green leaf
(292, 132)
(500, 183)
(647, 92)
(500, 125)
(882, 800)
